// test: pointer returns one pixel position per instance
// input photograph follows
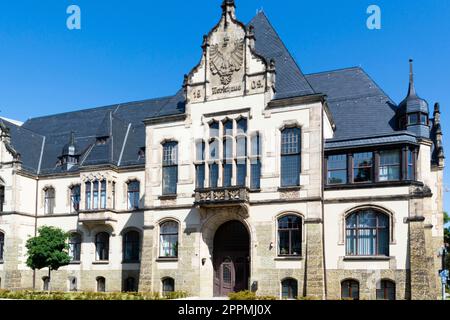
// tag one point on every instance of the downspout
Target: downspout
(35, 224)
(323, 203)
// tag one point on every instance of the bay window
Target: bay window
(363, 167)
(389, 165)
(337, 169)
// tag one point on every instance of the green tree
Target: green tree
(446, 230)
(48, 250)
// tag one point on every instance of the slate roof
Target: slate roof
(362, 112)
(290, 81)
(358, 106)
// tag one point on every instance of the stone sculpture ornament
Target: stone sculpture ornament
(227, 58)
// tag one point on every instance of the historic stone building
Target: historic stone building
(253, 176)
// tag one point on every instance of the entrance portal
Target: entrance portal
(231, 259)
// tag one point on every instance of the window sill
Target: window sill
(254, 190)
(74, 262)
(168, 197)
(380, 184)
(162, 259)
(290, 258)
(284, 189)
(131, 261)
(100, 262)
(367, 258)
(1, 261)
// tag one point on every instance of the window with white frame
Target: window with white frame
(49, 200)
(170, 168)
(168, 240)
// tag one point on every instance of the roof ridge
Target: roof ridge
(335, 70)
(117, 105)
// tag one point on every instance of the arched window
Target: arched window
(49, 200)
(130, 285)
(170, 168)
(169, 240)
(289, 236)
(75, 196)
(290, 157)
(289, 289)
(2, 245)
(73, 284)
(131, 246)
(168, 286)
(101, 284)
(75, 247)
(45, 283)
(386, 290)
(367, 234)
(102, 246)
(350, 289)
(133, 195)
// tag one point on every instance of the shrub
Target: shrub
(39, 295)
(248, 295)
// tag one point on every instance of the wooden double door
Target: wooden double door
(231, 259)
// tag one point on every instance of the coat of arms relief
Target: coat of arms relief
(226, 58)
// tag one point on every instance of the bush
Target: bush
(39, 295)
(248, 295)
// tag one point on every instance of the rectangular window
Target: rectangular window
(103, 195)
(413, 118)
(2, 197)
(133, 195)
(290, 157)
(213, 175)
(113, 193)
(170, 168)
(95, 194)
(75, 199)
(337, 169)
(241, 172)
(363, 167)
(255, 168)
(255, 162)
(411, 174)
(200, 176)
(389, 165)
(49, 201)
(88, 196)
(227, 174)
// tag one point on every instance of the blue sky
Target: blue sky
(138, 49)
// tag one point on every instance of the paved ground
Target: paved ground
(204, 299)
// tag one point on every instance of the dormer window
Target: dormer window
(141, 153)
(101, 141)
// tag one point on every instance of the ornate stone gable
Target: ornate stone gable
(229, 66)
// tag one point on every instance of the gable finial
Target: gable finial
(72, 137)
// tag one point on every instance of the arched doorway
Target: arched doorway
(231, 258)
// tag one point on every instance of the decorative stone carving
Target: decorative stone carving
(226, 58)
(229, 67)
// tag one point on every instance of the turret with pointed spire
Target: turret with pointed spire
(414, 112)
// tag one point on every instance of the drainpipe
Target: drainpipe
(323, 202)
(35, 224)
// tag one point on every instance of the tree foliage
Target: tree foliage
(446, 230)
(48, 250)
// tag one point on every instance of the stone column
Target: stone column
(146, 274)
(314, 261)
(420, 266)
